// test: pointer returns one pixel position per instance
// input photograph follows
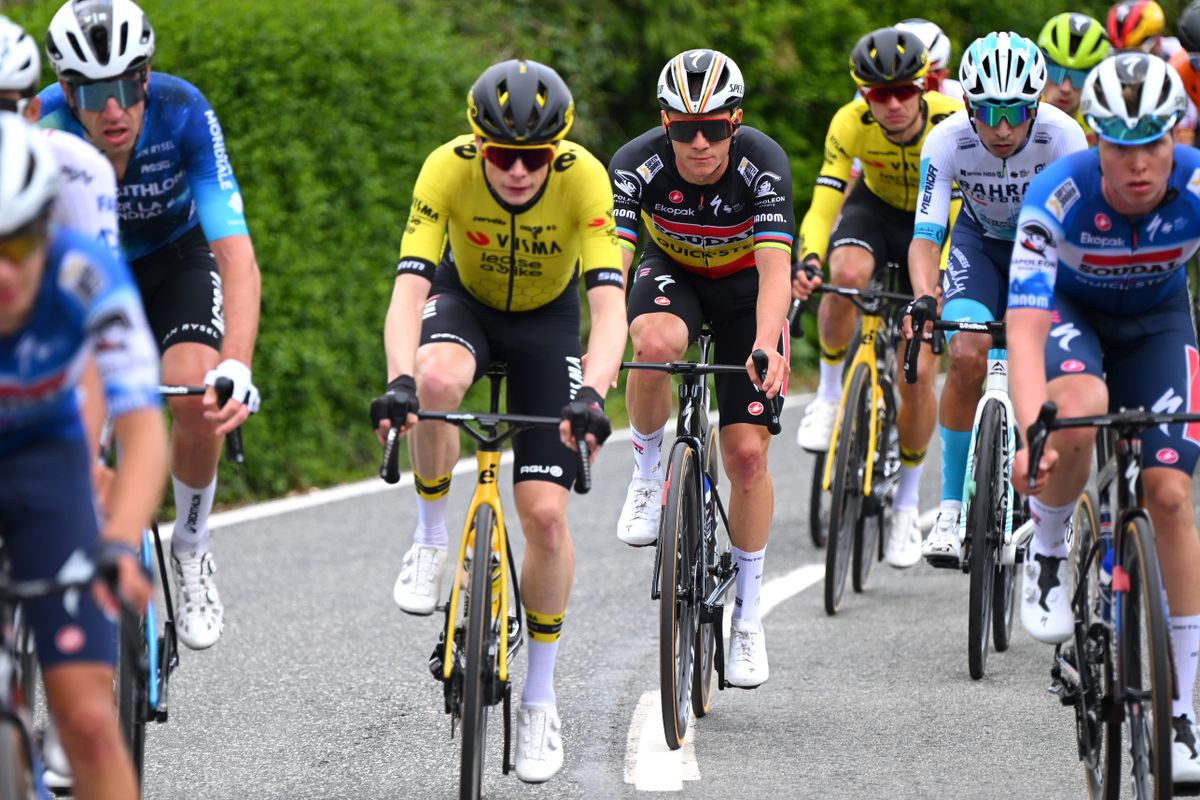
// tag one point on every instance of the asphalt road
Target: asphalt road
(319, 686)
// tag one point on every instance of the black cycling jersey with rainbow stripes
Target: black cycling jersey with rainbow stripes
(712, 230)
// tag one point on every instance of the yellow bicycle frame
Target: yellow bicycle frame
(486, 493)
(872, 326)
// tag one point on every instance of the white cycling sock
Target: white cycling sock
(192, 507)
(544, 632)
(830, 387)
(647, 449)
(1185, 647)
(431, 522)
(749, 582)
(908, 487)
(1049, 528)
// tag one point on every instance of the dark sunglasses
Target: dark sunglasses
(1058, 74)
(993, 115)
(503, 156)
(94, 96)
(891, 91)
(20, 244)
(715, 129)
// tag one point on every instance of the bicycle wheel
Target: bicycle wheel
(985, 520)
(1099, 740)
(869, 534)
(706, 580)
(132, 701)
(478, 679)
(849, 467)
(677, 606)
(818, 504)
(1145, 660)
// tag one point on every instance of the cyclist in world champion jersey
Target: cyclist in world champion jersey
(992, 150)
(1098, 319)
(183, 231)
(63, 297)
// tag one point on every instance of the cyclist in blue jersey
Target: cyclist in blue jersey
(184, 234)
(1098, 318)
(63, 296)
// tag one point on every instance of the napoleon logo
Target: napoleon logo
(627, 182)
(1035, 238)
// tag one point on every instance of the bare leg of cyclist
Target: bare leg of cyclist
(82, 702)
(444, 372)
(547, 573)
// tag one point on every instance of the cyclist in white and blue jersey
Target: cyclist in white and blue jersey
(184, 234)
(992, 150)
(1097, 319)
(64, 297)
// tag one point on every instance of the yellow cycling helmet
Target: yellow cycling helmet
(1074, 41)
(1132, 22)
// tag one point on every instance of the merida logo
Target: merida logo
(193, 514)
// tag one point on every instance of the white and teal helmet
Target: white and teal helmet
(1132, 98)
(1002, 68)
(20, 64)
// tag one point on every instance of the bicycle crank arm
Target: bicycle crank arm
(712, 609)
(1020, 537)
(507, 726)
(1065, 683)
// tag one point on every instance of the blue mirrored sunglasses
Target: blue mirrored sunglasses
(1058, 74)
(993, 115)
(94, 96)
(1147, 129)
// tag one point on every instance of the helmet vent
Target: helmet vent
(100, 44)
(74, 42)
(124, 38)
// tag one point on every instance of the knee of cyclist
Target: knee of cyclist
(745, 463)
(657, 345)
(89, 730)
(438, 388)
(968, 358)
(188, 413)
(851, 267)
(1170, 502)
(1072, 443)
(545, 526)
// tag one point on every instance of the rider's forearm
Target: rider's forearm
(138, 485)
(241, 288)
(1027, 330)
(774, 296)
(626, 261)
(923, 271)
(402, 327)
(606, 341)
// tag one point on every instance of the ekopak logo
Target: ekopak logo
(478, 238)
(1071, 365)
(755, 408)
(675, 196)
(1103, 223)
(1167, 456)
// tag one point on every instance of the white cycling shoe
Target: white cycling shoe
(419, 585)
(56, 771)
(638, 525)
(746, 666)
(200, 615)
(903, 546)
(1046, 599)
(539, 744)
(942, 547)
(816, 427)
(1185, 758)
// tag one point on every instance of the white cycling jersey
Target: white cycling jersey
(87, 192)
(992, 187)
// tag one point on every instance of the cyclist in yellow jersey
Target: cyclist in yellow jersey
(511, 213)
(884, 128)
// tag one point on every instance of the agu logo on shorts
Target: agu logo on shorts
(662, 300)
(1167, 456)
(675, 196)
(1071, 365)
(755, 408)
(69, 639)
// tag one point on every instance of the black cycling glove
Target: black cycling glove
(586, 414)
(396, 403)
(923, 309)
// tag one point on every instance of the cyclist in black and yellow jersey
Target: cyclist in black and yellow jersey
(884, 128)
(515, 214)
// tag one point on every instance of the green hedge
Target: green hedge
(330, 106)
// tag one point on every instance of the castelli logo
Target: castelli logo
(478, 237)
(755, 408)
(69, 639)
(1167, 456)
(1103, 223)
(1071, 365)
(662, 301)
(675, 196)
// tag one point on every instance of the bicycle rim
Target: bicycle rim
(985, 514)
(869, 534)
(1145, 654)
(818, 504)
(132, 700)
(479, 675)
(677, 609)
(849, 468)
(1004, 591)
(706, 580)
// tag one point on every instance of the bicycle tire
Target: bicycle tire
(677, 608)
(1004, 591)
(16, 771)
(704, 649)
(132, 695)
(869, 535)
(985, 518)
(849, 465)
(818, 504)
(1141, 612)
(478, 677)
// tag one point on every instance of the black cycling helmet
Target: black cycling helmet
(888, 55)
(520, 102)
(1188, 27)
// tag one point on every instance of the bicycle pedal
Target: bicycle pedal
(711, 613)
(942, 562)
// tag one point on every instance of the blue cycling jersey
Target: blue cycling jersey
(87, 302)
(1070, 240)
(179, 174)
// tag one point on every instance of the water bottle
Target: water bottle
(1106, 568)
(709, 522)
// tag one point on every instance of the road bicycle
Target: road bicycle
(693, 567)
(993, 521)
(484, 626)
(1116, 670)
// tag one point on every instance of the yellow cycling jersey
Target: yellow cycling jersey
(891, 171)
(512, 259)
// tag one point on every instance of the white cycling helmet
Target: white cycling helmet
(28, 173)
(1002, 68)
(936, 42)
(700, 82)
(99, 39)
(1132, 98)
(20, 65)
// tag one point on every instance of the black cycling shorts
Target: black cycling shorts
(181, 292)
(881, 229)
(540, 349)
(729, 306)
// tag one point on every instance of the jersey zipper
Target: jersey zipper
(512, 258)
